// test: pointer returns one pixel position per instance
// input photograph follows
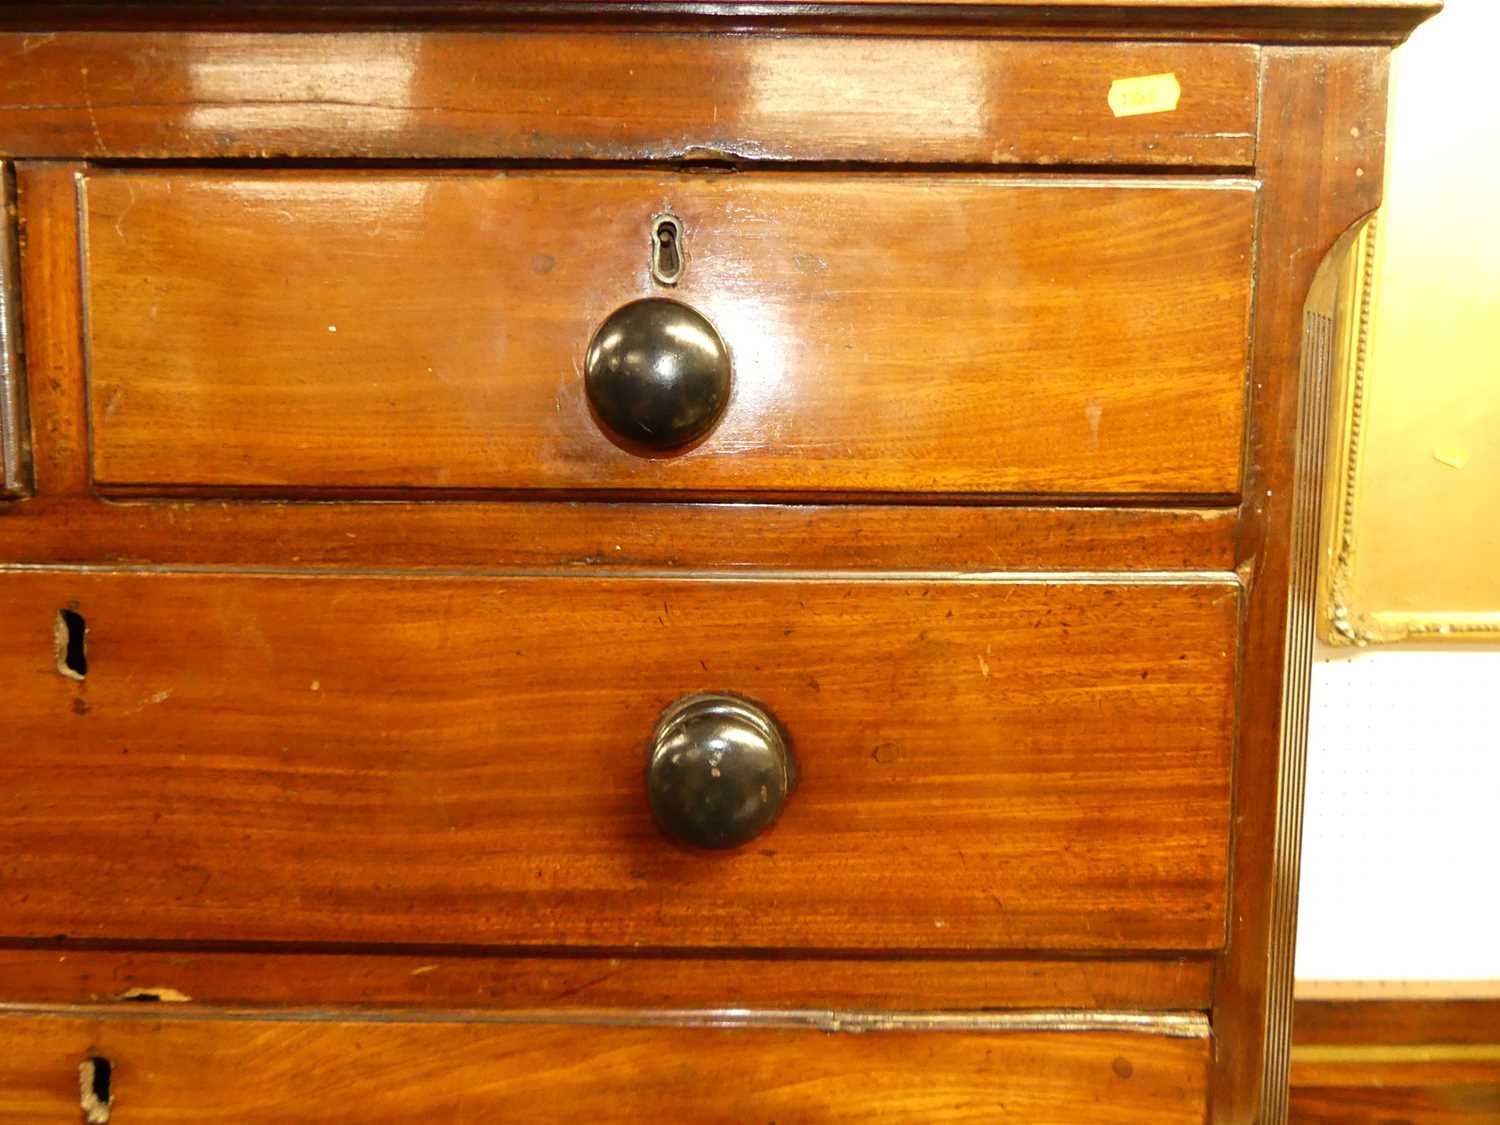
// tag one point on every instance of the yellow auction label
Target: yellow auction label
(1150, 93)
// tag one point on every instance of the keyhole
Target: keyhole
(667, 238)
(94, 1095)
(666, 249)
(68, 634)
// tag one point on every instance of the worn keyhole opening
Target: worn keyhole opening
(69, 632)
(94, 1094)
(666, 249)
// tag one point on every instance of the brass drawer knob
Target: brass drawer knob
(657, 374)
(718, 770)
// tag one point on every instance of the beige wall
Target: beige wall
(1420, 557)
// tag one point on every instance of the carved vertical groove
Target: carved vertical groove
(1317, 369)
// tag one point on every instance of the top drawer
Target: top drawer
(529, 94)
(932, 334)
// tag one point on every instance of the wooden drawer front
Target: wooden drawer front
(985, 764)
(313, 332)
(290, 1070)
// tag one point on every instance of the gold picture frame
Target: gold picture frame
(1411, 510)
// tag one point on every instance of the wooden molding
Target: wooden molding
(1367, 1061)
(1303, 21)
(1322, 149)
(1347, 415)
(1166, 1025)
(13, 436)
(1351, 990)
(1383, 1022)
(448, 978)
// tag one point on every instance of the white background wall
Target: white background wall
(1401, 843)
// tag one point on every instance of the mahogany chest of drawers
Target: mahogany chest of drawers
(663, 562)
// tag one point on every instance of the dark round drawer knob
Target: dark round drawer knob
(657, 373)
(718, 770)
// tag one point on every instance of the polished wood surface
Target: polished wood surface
(597, 537)
(316, 331)
(1310, 22)
(366, 679)
(174, 1069)
(1430, 1097)
(1381, 1061)
(580, 95)
(1323, 124)
(59, 527)
(985, 765)
(442, 978)
(1450, 1021)
(46, 203)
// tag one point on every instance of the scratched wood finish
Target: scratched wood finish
(441, 979)
(594, 537)
(925, 334)
(985, 765)
(256, 1070)
(627, 96)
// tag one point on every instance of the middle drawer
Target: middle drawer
(985, 764)
(312, 332)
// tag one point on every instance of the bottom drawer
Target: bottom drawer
(290, 1068)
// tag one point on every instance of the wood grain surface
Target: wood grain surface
(594, 537)
(1400, 1085)
(979, 324)
(986, 765)
(320, 331)
(1324, 130)
(47, 211)
(442, 978)
(1379, 1061)
(250, 1070)
(643, 95)
(1453, 1020)
(1428, 1098)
